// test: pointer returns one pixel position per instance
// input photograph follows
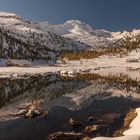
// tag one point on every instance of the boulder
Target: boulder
(92, 118)
(33, 112)
(21, 112)
(94, 128)
(64, 72)
(72, 72)
(45, 114)
(74, 123)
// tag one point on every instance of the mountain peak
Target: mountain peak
(75, 22)
(78, 27)
(7, 14)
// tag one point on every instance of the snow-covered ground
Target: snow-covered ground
(104, 65)
(23, 33)
(133, 133)
(43, 33)
(131, 137)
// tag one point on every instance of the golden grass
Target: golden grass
(91, 54)
(131, 115)
(127, 46)
(129, 118)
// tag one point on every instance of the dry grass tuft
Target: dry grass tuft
(37, 104)
(129, 118)
(131, 115)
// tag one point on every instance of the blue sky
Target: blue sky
(112, 15)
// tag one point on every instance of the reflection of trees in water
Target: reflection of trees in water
(50, 86)
(10, 88)
(54, 86)
(120, 82)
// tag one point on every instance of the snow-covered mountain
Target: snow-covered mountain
(97, 39)
(74, 27)
(21, 38)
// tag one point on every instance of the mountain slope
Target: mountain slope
(21, 38)
(97, 39)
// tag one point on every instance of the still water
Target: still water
(106, 98)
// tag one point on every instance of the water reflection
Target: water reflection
(71, 92)
(48, 86)
(78, 97)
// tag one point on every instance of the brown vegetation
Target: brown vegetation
(128, 119)
(123, 79)
(125, 47)
(91, 54)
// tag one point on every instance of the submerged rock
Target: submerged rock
(45, 114)
(100, 121)
(110, 117)
(65, 136)
(94, 128)
(74, 123)
(92, 118)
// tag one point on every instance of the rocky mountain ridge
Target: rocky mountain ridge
(24, 39)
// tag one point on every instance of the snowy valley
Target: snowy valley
(25, 39)
(36, 81)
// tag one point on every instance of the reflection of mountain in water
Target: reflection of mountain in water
(30, 88)
(74, 93)
(66, 97)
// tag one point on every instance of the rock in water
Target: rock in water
(94, 128)
(21, 112)
(45, 114)
(74, 123)
(92, 118)
(33, 112)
